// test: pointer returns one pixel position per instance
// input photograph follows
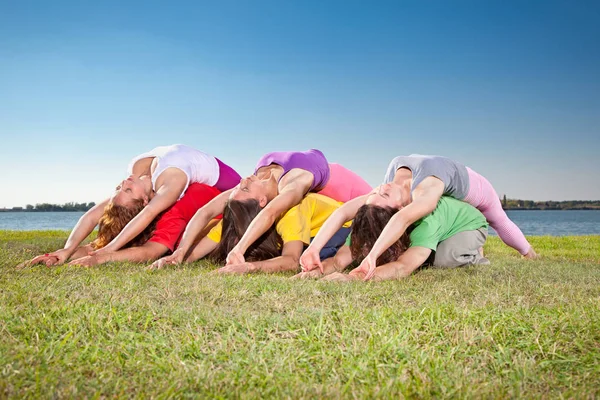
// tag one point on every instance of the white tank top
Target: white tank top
(198, 166)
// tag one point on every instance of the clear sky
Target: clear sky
(510, 88)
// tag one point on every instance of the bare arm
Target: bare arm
(408, 262)
(72, 248)
(425, 200)
(288, 261)
(149, 251)
(340, 261)
(84, 227)
(81, 251)
(310, 259)
(165, 197)
(203, 216)
(291, 195)
(338, 218)
(204, 247)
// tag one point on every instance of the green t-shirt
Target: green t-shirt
(450, 217)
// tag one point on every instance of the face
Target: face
(132, 188)
(251, 188)
(387, 195)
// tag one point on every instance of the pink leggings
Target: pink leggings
(483, 197)
(344, 185)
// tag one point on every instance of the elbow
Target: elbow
(291, 263)
(204, 214)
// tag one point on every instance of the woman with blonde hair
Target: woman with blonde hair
(157, 179)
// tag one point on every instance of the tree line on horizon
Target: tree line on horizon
(516, 204)
(43, 207)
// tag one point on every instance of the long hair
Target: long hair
(366, 228)
(115, 218)
(236, 218)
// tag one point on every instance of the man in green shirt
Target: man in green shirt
(455, 231)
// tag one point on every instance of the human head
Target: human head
(253, 188)
(236, 218)
(390, 195)
(366, 228)
(131, 189)
(114, 219)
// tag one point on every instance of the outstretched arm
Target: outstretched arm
(287, 261)
(149, 251)
(165, 197)
(203, 216)
(72, 248)
(85, 226)
(291, 195)
(338, 263)
(425, 200)
(203, 248)
(406, 264)
(310, 258)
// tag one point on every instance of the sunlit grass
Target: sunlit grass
(515, 328)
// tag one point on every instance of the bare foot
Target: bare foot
(531, 254)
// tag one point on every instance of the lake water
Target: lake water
(536, 222)
(556, 222)
(28, 221)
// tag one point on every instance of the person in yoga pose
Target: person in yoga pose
(276, 250)
(451, 236)
(414, 185)
(157, 179)
(279, 182)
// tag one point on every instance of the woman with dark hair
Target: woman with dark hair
(280, 181)
(452, 235)
(157, 179)
(414, 185)
(276, 250)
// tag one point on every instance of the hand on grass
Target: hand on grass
(358, 275)
(314, 274)
(242, 268)
(366, 268)
(310, 260)
(49, 259)
(339, 277)
(174, 259)
(235, 256)
(87, 261)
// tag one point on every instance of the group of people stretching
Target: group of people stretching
(295, 212)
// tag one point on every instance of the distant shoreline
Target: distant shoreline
(554, 209)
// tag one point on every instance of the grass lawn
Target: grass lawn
(513, 329)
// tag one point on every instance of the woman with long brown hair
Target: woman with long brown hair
(276, 250)
(280, 181)
(414, 185)
(452, 235)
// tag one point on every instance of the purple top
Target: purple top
(312, 161)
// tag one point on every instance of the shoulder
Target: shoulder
(296, 179)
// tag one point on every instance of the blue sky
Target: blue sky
(511, 89)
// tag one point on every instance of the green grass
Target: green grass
(513, 329)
